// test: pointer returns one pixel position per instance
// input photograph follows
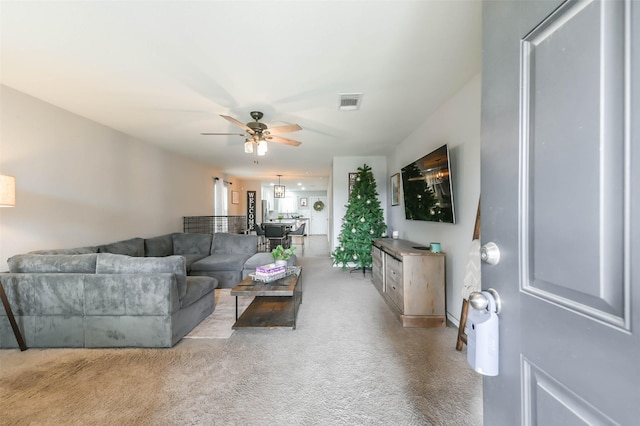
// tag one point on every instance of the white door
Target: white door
(319, 219)
(561, 199)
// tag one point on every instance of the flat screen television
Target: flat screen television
(427, 189)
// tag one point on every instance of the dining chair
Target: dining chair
(263, 242)
(276, 234)
(298, 232)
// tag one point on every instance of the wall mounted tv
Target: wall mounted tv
(427, 189)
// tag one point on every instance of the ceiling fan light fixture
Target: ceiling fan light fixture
(262, 147)
(257, 133)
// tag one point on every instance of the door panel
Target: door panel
(572, 102)
(549, 402)
(560, 197)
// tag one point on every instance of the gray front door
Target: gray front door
(561, 199)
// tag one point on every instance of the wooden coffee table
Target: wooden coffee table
(275, 304)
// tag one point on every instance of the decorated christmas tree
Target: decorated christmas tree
(362, 222)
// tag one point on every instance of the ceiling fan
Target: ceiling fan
(258, 133)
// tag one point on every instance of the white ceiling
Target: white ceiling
(163, 71)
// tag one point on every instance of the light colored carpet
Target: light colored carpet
(218, 324)
(349, 362)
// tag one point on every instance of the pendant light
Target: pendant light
(278, 190)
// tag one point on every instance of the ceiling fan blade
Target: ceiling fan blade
(280, 139)
(224, 134)
(237, 123)
(283, 129)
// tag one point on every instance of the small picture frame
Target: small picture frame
(395, 189)
(235, 197)
(352, 181)
(303, 202)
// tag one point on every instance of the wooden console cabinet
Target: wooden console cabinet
(412, 281)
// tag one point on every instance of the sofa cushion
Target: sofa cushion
(221, 262)
(184, 243)
(226, 279)
(191, 259)
(258, 259)
(158, 246)
(76, 250)
(196, 288)
(234, 243)
(130, 247)
(108, 263)
(53, 263)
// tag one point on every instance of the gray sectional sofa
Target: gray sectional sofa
(133, 293)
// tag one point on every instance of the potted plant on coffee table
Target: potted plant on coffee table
(281, 255)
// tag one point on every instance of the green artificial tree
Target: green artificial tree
(363, 221)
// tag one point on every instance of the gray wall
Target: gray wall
(456, 123)
(81, 183)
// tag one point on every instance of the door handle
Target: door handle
(490, 253)
(481, 302)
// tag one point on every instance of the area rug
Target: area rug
(218, 324)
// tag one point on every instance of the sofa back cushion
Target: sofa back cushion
(108, 263)
(234, 243)
(184, 243)
(159, 246)
(53, 263)
(76, 250)
(130, 247)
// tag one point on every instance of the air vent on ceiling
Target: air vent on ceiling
(350, 101)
